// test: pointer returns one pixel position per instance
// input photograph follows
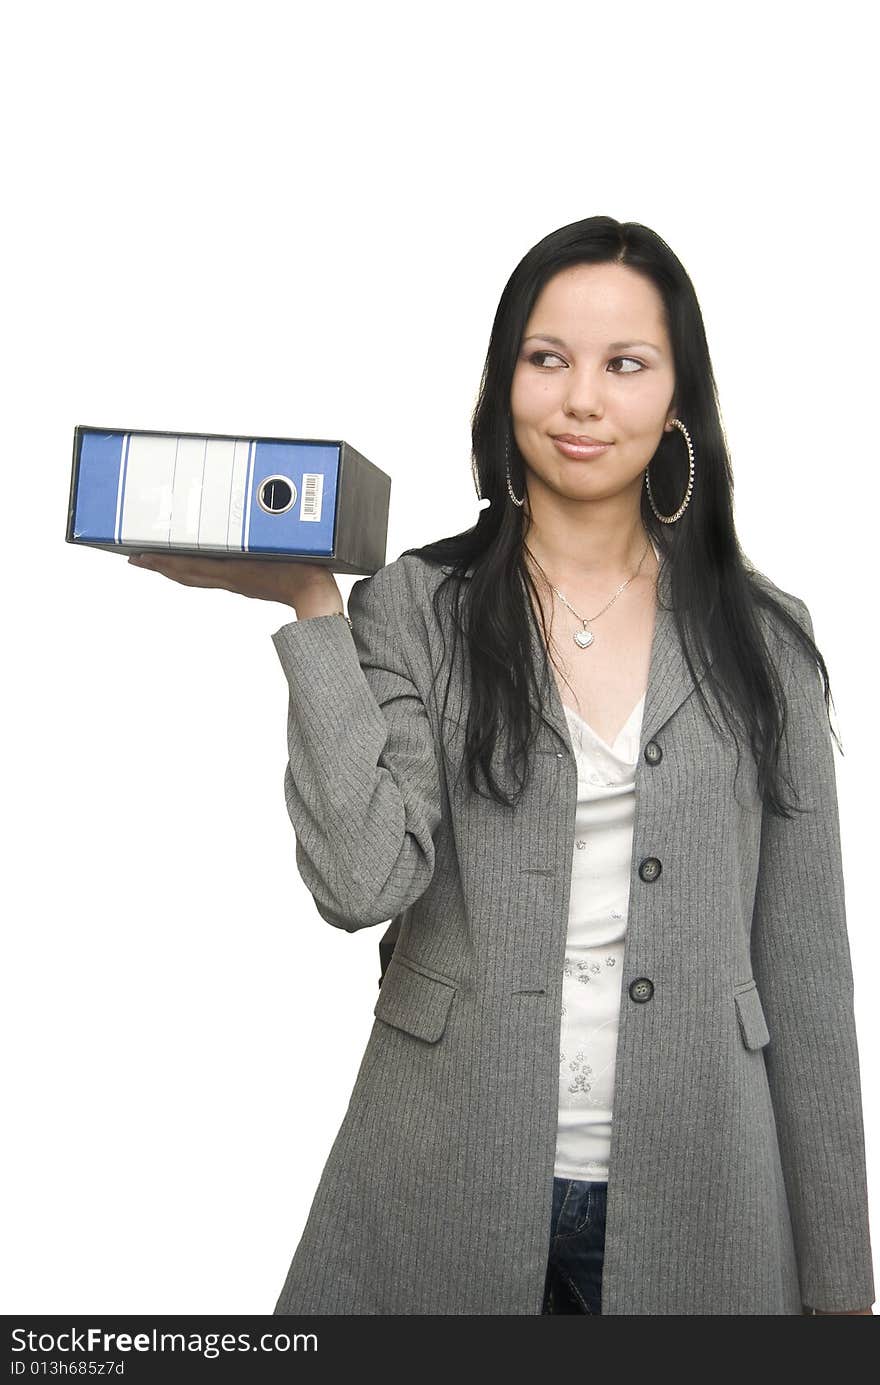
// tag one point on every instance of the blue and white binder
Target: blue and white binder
(137, 491)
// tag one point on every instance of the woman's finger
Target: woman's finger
(192, 572)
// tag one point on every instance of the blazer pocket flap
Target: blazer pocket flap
(414, 1001)
(752, 1021)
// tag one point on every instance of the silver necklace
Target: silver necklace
(584, 638)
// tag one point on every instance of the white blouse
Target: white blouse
(591, 987)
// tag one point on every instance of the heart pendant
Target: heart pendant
(583, 638)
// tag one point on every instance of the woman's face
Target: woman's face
(590, 384)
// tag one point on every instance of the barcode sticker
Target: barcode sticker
(312, 495)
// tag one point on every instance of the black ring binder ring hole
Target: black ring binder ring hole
(276, 494)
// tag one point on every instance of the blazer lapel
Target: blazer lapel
(669, 678)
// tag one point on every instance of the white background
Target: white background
(284, 220)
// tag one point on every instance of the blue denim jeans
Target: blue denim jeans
(577, 1247)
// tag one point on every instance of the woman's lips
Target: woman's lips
(580, 451)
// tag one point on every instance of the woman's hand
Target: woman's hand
(291, 583)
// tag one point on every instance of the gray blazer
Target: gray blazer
(737, 1163)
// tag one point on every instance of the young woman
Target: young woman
(614, 1065)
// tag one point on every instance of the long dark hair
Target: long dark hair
(715, 591)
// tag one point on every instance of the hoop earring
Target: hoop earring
(670, 519)
(507, 469)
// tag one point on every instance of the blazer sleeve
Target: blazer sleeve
(362, 782)
(801, 962)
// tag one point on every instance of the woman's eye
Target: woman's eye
(536, 355)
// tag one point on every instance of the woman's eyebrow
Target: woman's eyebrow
(612, 345)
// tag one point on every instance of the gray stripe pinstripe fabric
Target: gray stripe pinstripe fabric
(737, 1172)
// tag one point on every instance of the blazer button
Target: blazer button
(653, 753)
(641, 989)
(650, 868)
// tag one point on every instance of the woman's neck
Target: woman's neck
(641, 556)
